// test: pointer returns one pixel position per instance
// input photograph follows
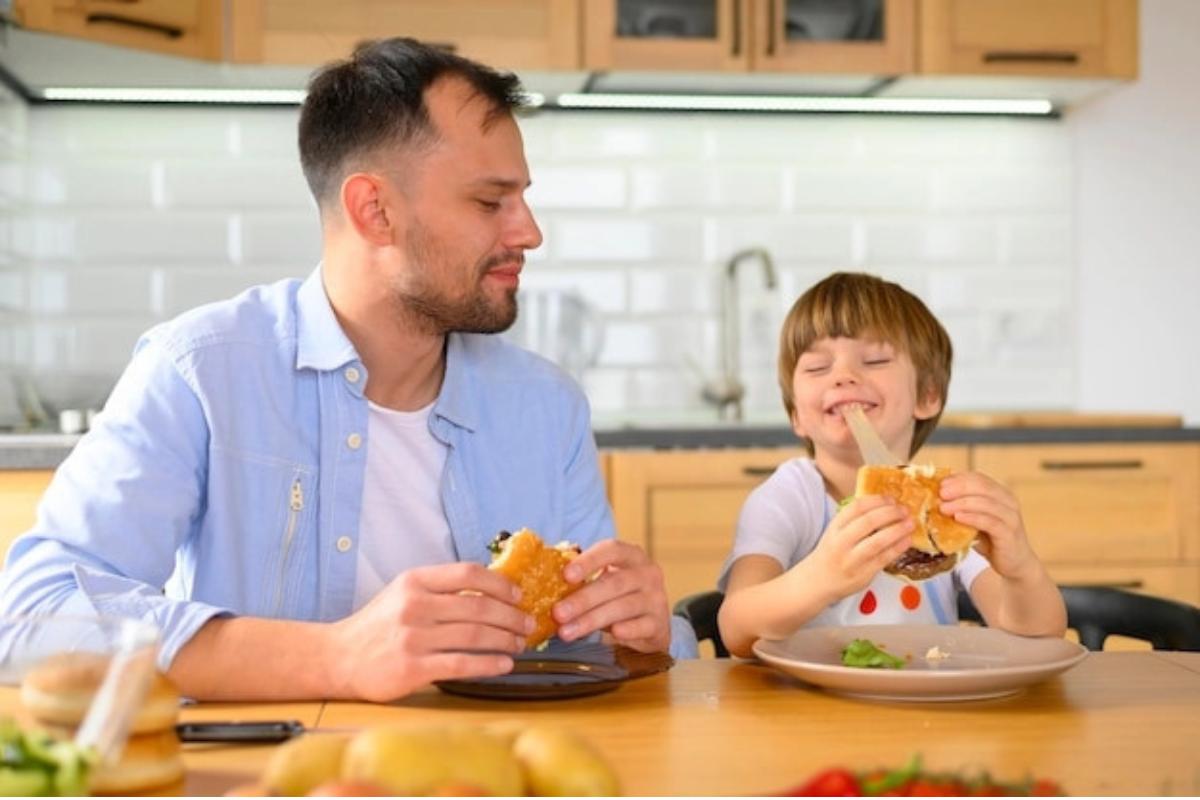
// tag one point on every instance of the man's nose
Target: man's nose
(524, 233)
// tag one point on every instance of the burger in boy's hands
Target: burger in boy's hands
(938, 541)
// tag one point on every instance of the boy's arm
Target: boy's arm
(1029, 604)
(763, 601)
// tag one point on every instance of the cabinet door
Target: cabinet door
(666, 34)
(1068, 38)
(682, 506)
(20, 493)
(827, 36)
(508, 34)
(1103, 504)
(191, 28)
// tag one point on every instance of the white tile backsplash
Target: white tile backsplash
(113, 218)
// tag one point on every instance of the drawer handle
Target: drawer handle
(170, 31)
(771, 32)
(1030, 57)
(737, 28)
(1133, 584)
(1061, 466)
(758, 472)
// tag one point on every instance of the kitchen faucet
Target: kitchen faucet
(726, 392)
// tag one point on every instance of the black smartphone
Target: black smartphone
(264, 731)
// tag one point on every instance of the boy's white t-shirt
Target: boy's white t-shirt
(785, 517)
(403, 524)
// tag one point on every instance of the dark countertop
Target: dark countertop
(46, 451)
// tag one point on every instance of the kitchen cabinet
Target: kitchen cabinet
(190, 28)
(682, 505)
(20, 492)
(750, 35)
(509, 34)
(1063, 38)
(1125, 515)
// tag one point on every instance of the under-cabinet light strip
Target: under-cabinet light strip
(867, 105)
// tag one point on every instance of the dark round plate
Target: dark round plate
(578, 669)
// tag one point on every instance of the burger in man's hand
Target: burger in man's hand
(938, 541)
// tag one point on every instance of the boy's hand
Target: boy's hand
(864, 537)
(975, 499)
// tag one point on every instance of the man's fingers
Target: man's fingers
(608, 553)
(471, 637)
(459, 666)
(463, 576)
(473, 608)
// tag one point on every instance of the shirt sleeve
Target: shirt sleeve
(969, 568)
(588, 516)
(775, 521)
(119, 507)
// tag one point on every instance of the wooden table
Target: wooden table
(1118, 723)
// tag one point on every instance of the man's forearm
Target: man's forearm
(251, 658)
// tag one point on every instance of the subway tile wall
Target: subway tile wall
(118, 217)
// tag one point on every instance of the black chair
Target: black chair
(700, 610)
(1097, 612)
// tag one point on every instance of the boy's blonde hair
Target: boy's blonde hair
(853, 305)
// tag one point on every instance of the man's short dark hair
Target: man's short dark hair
(377, 97)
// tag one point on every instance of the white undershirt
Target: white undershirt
(403, 524)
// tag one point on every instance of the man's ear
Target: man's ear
(928, 406)
(365, 204)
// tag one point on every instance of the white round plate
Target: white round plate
(980, 663)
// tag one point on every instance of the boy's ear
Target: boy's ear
(928, 406)
(796, 428)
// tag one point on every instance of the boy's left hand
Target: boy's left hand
(975, 499)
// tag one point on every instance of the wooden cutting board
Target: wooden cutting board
(1057, 419)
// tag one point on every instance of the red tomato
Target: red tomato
(1045, 788)
(831, 783)
(933, 787)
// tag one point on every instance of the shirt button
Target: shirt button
(351, 374)
(344, 543)
(354, 441)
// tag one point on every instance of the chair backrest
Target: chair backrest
(700, 610)
(1097, 612)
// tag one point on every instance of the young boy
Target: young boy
(797, 559)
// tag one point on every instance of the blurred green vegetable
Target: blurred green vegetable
(32, 763)
(864, 653)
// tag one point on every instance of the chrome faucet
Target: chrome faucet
(726, 392)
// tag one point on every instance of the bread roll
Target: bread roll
(59, 690)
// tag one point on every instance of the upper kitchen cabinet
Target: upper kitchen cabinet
(811, 36)
(1062, 38)
(511, 34)
(190, 28)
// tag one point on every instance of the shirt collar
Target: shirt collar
(320, 341)
(457, 401)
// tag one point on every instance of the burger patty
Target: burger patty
(917, 565)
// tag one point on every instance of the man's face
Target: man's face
(465, 226)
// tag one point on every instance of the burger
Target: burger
(537, 569)
(938, 541)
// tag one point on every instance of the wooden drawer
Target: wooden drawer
(191, 28)
(682, 506)
(20, 492)
(1103, 503)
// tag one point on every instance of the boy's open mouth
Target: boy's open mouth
(836, 409)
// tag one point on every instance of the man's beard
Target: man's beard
(434, 312)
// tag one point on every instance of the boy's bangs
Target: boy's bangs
(852, 313)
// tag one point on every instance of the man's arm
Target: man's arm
(431, 623)
(113, 518)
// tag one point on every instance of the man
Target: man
(312, 471)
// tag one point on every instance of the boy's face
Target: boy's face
(836, 372)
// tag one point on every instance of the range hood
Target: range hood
(49, 68)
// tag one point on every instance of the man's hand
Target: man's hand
(430, 623)
(868, 534)
(628, 598)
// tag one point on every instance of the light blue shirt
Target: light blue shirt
(225, 474)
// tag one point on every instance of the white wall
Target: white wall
(1138, 226)
(135, 214)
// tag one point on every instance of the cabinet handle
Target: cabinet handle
(1130, 584)
(1030, 56)
(737, 28)
(1062, 466)
(170, 31)
(448, 47)
(757, 472)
